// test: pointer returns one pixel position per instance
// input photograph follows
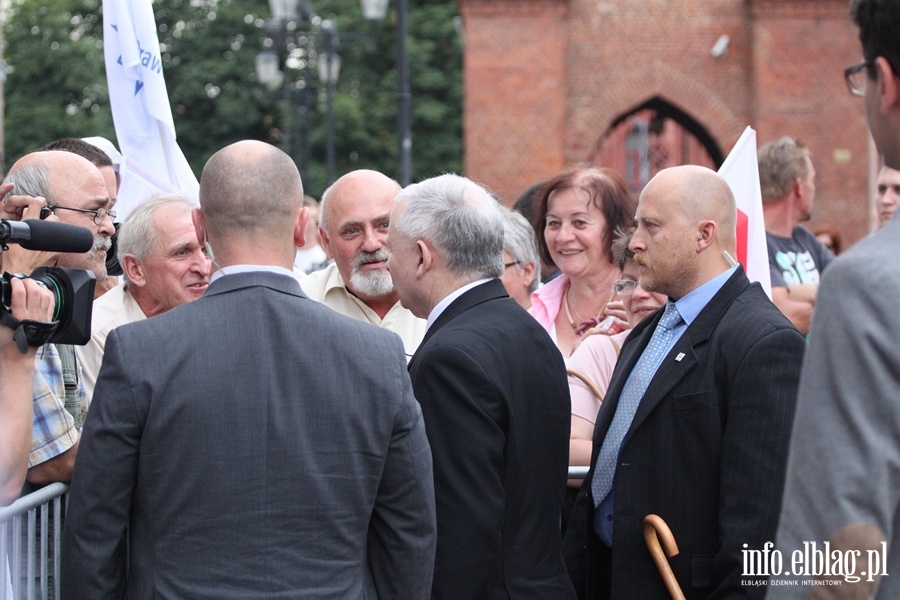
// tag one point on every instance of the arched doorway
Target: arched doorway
(653, 136)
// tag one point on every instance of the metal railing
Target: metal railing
(30, 532)
(578, 472)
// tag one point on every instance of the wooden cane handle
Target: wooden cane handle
(654, 530)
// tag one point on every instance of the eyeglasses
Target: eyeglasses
(510, 264)
(856, 78)
(624, 287)
(99, 214)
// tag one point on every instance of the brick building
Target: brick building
(638, 85)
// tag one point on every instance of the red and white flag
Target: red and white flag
(741, 171)
(153, 163)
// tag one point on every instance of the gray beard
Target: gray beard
(373, 284)
(100, 243)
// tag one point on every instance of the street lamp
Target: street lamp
(268, 70)
(287, 46)
(374, 10)
(329, 70)
(377, 9)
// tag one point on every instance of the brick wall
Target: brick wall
(546, 79)
(515, 92)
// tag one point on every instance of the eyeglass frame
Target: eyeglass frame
(850, 75)
(625, 287)
(99, 213)
(510, 264)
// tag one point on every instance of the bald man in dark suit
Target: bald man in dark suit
(238, 466)
(696, 422)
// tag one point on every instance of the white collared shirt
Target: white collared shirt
(443, 304)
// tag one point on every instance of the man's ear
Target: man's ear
(199, 227)
(134, 271)
(706, 235)
(300, 227)
(425, 257)
(529, 272)
(887, 83)
(798, 187)
(326, 243)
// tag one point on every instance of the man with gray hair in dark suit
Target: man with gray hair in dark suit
(494, 396)
(237, 464)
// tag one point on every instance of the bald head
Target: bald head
(76, 189)
(250, 189)
(356, 189)
(50, 173)
(353, 226)
(701, 194)
(686, 230)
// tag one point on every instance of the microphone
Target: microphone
(33, 234)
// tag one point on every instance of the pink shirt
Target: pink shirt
(595, 358)
(545, 303)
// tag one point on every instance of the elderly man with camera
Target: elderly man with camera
(71, 190)
(28, 300)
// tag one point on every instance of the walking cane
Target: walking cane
(654, 529)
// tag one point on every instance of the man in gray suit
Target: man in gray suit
(842, 493)
(237, 463)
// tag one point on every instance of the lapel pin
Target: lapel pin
(679, 357)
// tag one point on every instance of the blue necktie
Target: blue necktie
(629, 400)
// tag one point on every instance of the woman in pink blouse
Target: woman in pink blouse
(577, 212)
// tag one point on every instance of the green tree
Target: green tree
(209, 49)
(56, 84)
(366, 103)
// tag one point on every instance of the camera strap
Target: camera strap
(29, 333)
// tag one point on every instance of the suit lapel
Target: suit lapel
(631, 351)
(490, 290)
(672, 370)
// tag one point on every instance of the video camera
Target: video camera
(73, 289)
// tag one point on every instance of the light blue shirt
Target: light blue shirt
(689, 306)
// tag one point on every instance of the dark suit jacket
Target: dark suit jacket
(495, 398)
(256, 444)
(706, 450)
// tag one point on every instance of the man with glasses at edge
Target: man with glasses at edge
(843, 481)
(65, 187)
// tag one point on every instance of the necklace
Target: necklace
(578, 324)
(570, 309)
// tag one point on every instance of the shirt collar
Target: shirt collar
(690, 305)
(234, 269)
(443, 304)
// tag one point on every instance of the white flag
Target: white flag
(741, 171)
(153, 163)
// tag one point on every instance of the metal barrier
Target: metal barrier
(578, 472)
(30, 532)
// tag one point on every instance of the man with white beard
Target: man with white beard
(353, 225)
